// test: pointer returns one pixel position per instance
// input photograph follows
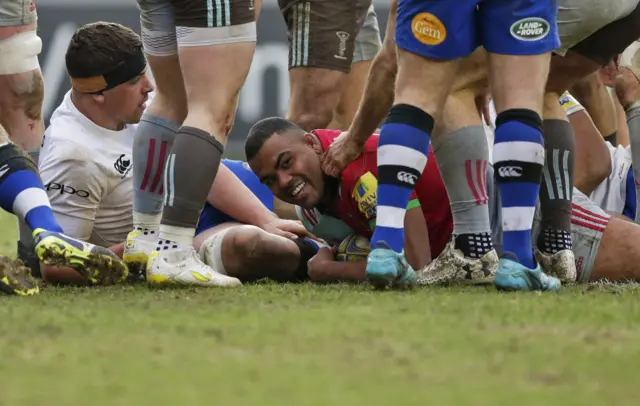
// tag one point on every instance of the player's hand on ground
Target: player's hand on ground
(340, 153)
(287, 228)
(317, 263)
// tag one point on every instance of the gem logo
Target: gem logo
(530, 29)
(428, 29)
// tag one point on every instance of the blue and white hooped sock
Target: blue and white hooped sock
(518, 155)
(403, 147)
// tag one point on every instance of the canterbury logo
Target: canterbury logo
(510, 172)
(407, 177)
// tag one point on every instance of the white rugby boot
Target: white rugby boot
(562, 265)
(451, 267)
(136, 253)
(183, 266)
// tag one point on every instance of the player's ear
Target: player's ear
(98, 97)
(313, 143)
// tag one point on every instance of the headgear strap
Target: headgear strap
(127, 70)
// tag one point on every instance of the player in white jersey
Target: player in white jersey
(86, 156)
(86, 169)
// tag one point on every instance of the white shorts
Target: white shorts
(578, 19)
(368, 42)
(210, 251)
(588, 222)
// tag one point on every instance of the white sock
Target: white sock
(146, 221)
(172, 237)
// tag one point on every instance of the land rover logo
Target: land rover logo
(530, 29)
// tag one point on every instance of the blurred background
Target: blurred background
(265, 93)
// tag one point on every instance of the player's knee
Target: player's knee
(311, 120)
(168, 106)
(247, 242)
(313, 107)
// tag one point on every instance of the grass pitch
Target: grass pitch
(304, 345)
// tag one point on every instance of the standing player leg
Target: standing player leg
(519, 36)
(222, 37)
(21, 95)
(461, 148)
(322, 35)
(157, 130)
(430, 36)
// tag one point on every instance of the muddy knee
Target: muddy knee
(23, 95)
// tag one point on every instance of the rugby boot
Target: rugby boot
(562, 265)
(136, 253)
(451, 266)
(183, 266)
(512, 275)
(97, 264)
(386, 267)
(16, 279)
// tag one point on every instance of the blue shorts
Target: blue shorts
(450, 29)
(212, 217)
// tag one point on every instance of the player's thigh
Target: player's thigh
(368, 44)
(519, 35)
(351, 91)
(618, 254)
(430, 36)
(21, 82)
(216, 42)
(611, 40)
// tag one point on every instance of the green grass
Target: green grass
(301, 345)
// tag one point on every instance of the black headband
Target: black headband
(127, 70)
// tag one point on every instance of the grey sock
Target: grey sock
(462, 158)
(633, 122)
(152, 143)
(556, 187)
(191, 168)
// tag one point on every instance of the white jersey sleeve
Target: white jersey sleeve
(611, 194)
(74, 185)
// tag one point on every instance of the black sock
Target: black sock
(474, 245)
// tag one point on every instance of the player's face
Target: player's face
(127, 102)
(290, 167)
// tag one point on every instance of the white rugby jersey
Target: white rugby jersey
(86, 170)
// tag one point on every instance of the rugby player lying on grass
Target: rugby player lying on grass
(288, 161)
(86, 154)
